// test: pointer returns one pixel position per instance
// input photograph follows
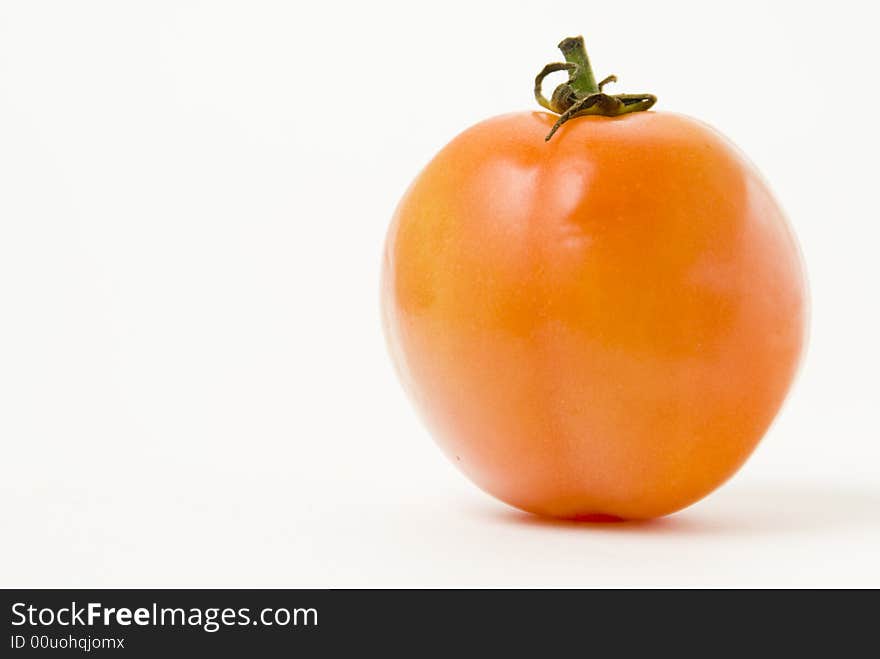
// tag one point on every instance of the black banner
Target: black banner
(173, 623)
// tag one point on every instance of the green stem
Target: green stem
(580, 95)
(575, 52)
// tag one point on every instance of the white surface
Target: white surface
(193, 198)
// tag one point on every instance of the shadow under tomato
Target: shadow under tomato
(750, 508)
(603, 524)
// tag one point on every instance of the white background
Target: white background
(194, 389)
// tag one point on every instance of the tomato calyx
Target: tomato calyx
(581, 95)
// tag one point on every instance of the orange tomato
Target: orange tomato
(601, 326)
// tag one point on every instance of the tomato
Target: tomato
(601, 326)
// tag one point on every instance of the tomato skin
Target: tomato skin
(602, 325)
